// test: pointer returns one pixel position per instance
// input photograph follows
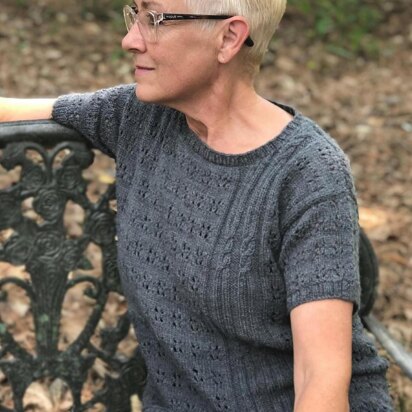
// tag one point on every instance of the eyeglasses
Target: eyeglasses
(149, 21)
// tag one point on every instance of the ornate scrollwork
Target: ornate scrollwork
(50, 256)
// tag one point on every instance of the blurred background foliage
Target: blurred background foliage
(346, 26)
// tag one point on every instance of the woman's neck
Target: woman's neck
(235, 119)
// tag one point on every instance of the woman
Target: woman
(237, 220)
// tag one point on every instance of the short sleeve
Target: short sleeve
(319, 255)
(97, 116)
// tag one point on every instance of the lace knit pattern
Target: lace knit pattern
(215, 250)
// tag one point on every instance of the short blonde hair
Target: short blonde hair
(263, 17)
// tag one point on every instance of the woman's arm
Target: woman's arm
(25, 109)
(322, 346)
(97, 116)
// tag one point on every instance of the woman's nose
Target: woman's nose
(134, 41)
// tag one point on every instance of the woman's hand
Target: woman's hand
(322, 346)
(25, 109)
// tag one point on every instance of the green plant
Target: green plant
(103, 9)
(22, 3)
(345, 25)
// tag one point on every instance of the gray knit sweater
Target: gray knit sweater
(215, 250)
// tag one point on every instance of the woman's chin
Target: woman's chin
(144, 95)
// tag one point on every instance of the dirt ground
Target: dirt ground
(364, 103)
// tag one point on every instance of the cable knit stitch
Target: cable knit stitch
(215, 250)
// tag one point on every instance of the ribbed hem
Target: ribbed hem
(245, 158)
(370, 393)
(66, 108)
(321, 291)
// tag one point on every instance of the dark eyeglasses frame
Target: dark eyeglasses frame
(176, 17)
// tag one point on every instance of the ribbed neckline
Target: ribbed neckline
(243, 158)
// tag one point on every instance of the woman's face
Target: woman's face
(180, 65)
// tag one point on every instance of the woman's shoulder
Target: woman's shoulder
(308, 135)
(123, 96)
(315, 166)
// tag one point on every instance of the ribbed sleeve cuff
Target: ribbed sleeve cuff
(325, 290)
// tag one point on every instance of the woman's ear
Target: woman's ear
(236, 31)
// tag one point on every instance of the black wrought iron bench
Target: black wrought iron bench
(55, 261)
